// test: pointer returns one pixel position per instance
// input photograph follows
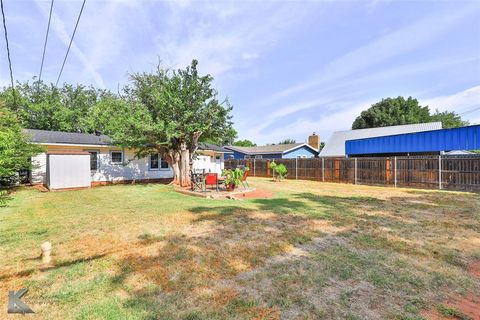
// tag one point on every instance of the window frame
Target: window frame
(150, 162)
(117, 162)
(161, 161)
(98, 158)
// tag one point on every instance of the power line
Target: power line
(70, 44)
(469, 111)
(8, 48)
(45, 44)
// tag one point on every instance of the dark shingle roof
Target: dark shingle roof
(277, 148)
(215, 148)
(45, 136)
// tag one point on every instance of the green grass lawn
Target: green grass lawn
(316, 250)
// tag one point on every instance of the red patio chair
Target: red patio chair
(211, 179)
(244, 179)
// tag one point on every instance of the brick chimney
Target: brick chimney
(314, 141)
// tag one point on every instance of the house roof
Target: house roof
(212, 147)
(60, 137)
(277, 148)
(73, 138)
(335, 146)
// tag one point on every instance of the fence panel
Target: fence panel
(433, 172)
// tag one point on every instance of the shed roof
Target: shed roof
(335, 146)
(270, 149)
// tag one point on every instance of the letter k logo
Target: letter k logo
(15, 305)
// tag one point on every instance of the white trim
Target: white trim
(302, 145)
(115, 162)
(273, 152)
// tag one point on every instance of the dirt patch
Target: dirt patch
(468, 306)
(474, 269)
(257, 194)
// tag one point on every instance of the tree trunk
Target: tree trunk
(184, 166)
(175, 159)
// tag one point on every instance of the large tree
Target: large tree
(392, 112)
(168, 112)
(398, 111)
(15, 148)
(47, 107)
(449, 119)
(244, 143)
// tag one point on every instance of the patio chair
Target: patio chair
(197, 180)
(211, 179)
(244, 179)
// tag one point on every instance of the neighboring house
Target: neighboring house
(278, 151)
(335, 146)
(74, 160)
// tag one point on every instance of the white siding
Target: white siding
(131, 169)
(68, 171)
(39, 168)
(209, 163)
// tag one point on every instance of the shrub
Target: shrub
(281, 171)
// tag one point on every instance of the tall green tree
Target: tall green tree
(15, 148)
(244, 143)
(398, 111)
(46, 107)
(449, 119)
(392, 112)
(168, 112)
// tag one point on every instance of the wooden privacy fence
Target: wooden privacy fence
(440, 172)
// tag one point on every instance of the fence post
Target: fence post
(323, 169)
(254, 167)
(355, 170)
(440, 172)
(296, 168)
(395, 171)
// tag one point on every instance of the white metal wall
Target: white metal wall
(68, 171)
(209, 163)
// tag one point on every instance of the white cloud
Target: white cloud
(224, 36)
(394, 44)
(61, 32)
(464, 102)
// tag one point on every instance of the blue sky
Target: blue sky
(288, 67)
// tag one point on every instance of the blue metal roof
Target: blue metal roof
(464, 138)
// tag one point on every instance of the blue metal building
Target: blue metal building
(427, 142)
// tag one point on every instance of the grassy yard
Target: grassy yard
(314, 251)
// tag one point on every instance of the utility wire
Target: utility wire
(469, 111)
(45, 44)
(8, 48)
(71, 40)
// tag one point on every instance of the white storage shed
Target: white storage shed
(68, 169)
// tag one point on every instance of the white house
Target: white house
(76, 160)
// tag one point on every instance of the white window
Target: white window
(157, 163)
(301, 157)
(163, 164)
(117, 156)
(93, 160)
(246, 157)
(154, 164)
(258, 156)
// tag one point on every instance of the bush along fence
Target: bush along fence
(433, 172)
